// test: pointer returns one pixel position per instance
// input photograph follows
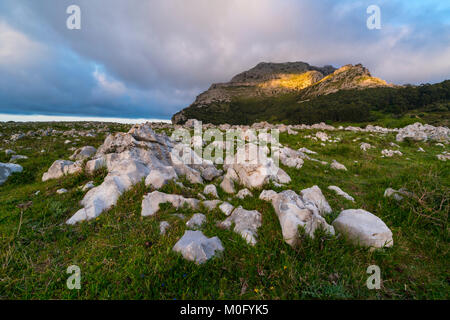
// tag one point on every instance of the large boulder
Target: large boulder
(6, 169)
(124, 175)
(363, 228)
(140, 154)
(293, 213)
(420, 132)
(195, 246)
(160, 176)
(60, 168)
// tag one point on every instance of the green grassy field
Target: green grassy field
(122, 255)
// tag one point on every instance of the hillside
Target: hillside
(125, 254)
(299, 93)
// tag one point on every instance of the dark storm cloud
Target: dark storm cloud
(143, 58)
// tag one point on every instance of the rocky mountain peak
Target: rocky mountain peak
(269, 79)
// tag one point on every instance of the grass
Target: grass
(122, 255)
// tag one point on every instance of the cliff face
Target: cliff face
(275, 79)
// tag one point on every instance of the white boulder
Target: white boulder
(60, 168)
(246, 223)
(363, 228)
(195, 246)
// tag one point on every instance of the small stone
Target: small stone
(211, 190)
(88, 186)
(226, 208)
(196, 221)
(163, 226)
(341, 193)
(337, 166)
(246, 223)
(267, 195)
(61, 191)
(195, 246)
(211, 204)
(244, 193)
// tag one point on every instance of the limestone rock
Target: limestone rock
(341, 193)
(293, 213)
(103, 197)
(195, 246)
(322, 136)
(244, 193)
(365, 146)
(390, 153)
(397, 194)
(132, 157)
(60, 168)
(160, 176)
(227, 185)
(210, 189)
(6, 169)
(246, 223)
(211, 204)
(9, 152)
(363, 228)
(209, 173)
(444, 156)
(83, 153)
(151, 202)
(291, 158)
(268, 195)
(254, 169)
(196, 221)
(88, 186)
(94, 165)
(226, 208)
(17, 157)
(420, 132)
(306, 150)
(315, 196)
(163, 226)
(337, 166)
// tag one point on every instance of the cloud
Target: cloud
(142, 58)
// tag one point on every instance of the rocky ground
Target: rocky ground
(141, 223)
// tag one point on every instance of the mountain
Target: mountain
(295, 92)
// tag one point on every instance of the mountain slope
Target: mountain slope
(429, 103)
(274, 80)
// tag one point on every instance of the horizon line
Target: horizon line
(5, 117)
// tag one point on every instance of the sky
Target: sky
(147, 59)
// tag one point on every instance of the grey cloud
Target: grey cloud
(165, 52)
